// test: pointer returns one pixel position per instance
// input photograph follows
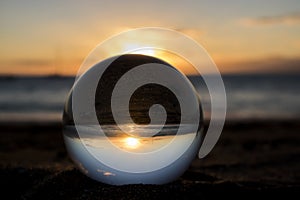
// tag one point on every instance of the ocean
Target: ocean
(249, 97)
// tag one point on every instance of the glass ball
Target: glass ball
(133, 119)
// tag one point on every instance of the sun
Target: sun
(145, 51)
(140, 47)
(131, 142)
(136, 48)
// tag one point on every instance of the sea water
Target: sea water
(248, 97)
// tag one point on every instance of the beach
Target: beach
(253, 159)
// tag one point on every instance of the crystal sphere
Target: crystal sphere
(133, 119)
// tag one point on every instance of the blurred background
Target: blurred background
(255, 44)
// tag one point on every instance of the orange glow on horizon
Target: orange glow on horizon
(231, 57)
(42, 39)
(131, 142)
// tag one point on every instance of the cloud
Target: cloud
(287, 19)
(267, 65)
(27, 66)
(194, 33)
(30, 62)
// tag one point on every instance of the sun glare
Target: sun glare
(146, 51)
(175, 60)
(138, 49)
(132, 142)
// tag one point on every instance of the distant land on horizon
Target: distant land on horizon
(50, 76)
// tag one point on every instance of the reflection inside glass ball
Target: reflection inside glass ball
(133, 119)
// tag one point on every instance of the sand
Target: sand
(253, 159)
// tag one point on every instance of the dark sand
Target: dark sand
(252, 160)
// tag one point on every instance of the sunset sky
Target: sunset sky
(53, 37)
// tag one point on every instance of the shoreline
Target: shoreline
(55, 125)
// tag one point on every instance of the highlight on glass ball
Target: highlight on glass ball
(134, 118)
